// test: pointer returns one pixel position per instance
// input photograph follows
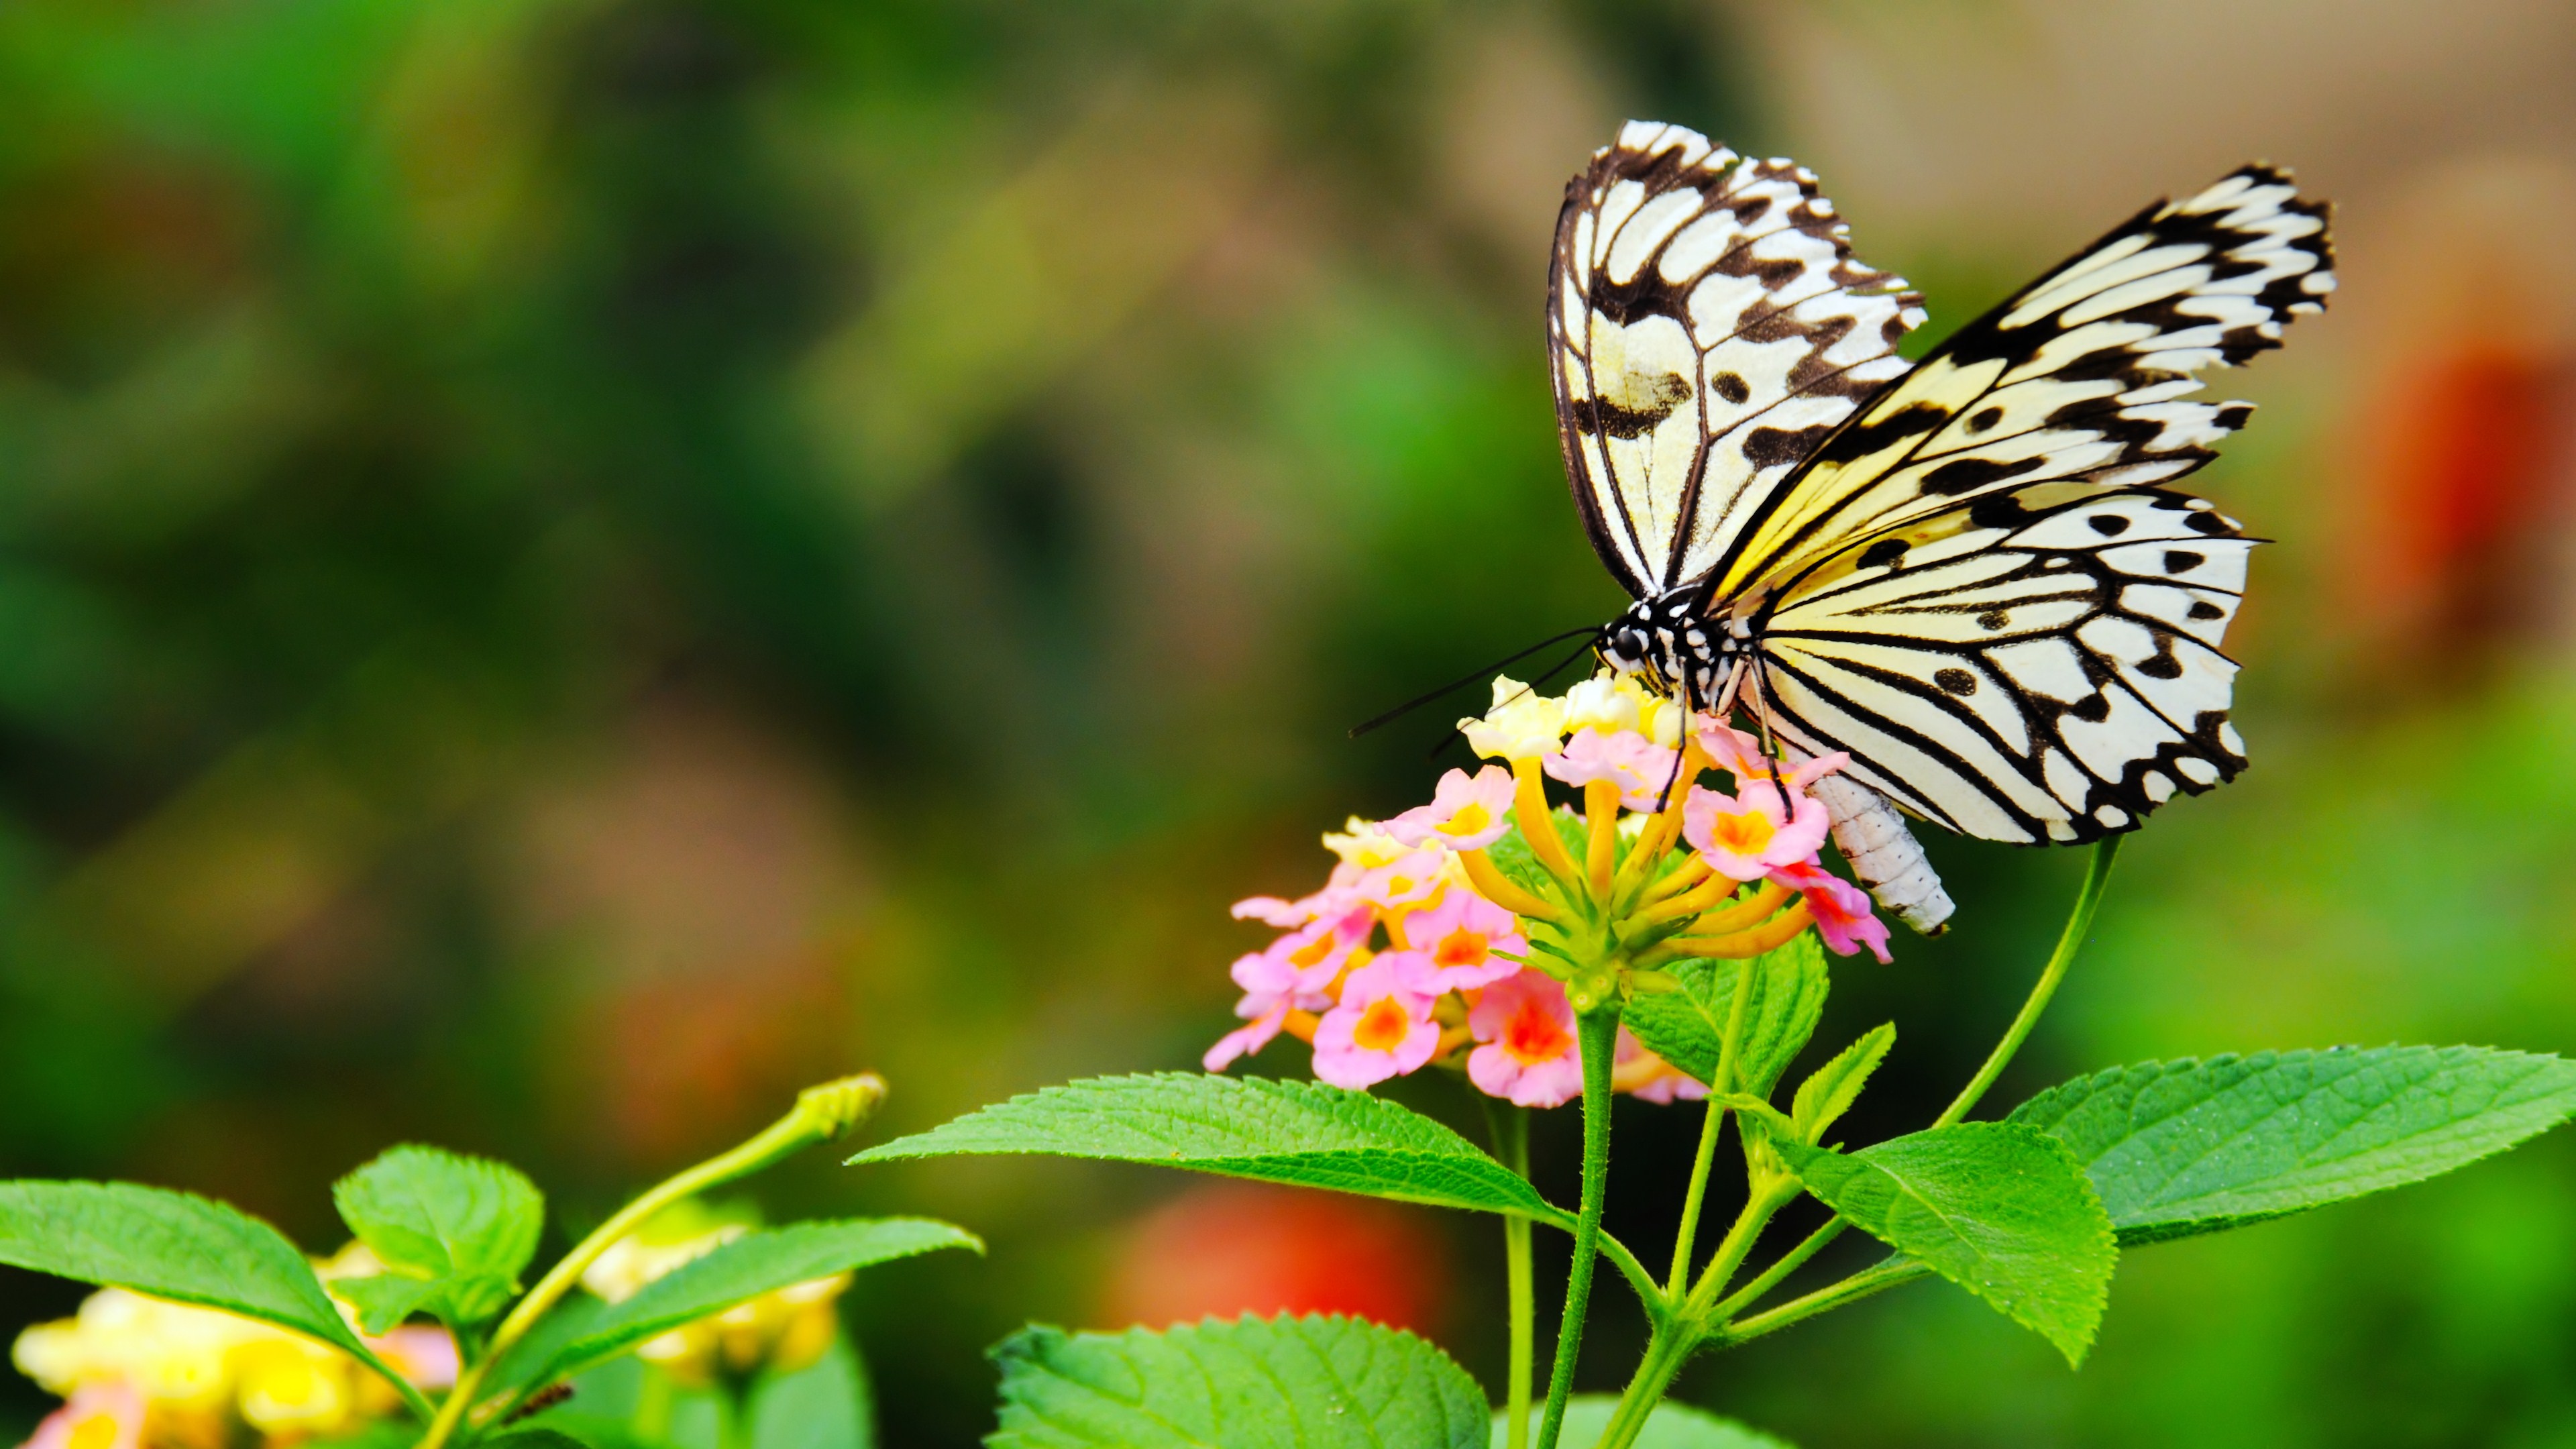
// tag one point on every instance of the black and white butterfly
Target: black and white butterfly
(1969, 572)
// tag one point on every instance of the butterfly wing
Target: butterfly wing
(1976, 589)
(1706, 327)
(2043, 665)
(2083, 375)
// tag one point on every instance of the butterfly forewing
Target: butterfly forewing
(1980, 588)
(2083, 376)
(1707, 327)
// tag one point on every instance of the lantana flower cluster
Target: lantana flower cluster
(136, 1371)
(1472, 929)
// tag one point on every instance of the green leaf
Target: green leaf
(1688, 1028)
(1829, 1091)
(531, 1439)
(824, 1405)
(385, 1299)
(465, 1225)
(1252, 1383)
(2185, 1147)
(1303, 1133)
(745, 1268)
(1998, 1208)
(1519, 864)
(1670, 1426)
(172, 1245)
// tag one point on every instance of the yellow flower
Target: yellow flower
(201, 1374)
(1522, 725)
(1365, 844)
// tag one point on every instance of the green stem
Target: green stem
(2097, 873)
(1599, 1031)
(1833, 1295)
(1511, 1142)
(1789, 1263)
(1666, 1352)
(1768, 1197)
(1686, 1238)
(821, 1113)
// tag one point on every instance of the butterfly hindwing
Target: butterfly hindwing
(1706, 327)
(2082, 376)
(2038, 665)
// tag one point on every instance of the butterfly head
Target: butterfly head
(1666, 642)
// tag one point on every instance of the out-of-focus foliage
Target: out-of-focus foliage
(566, 567)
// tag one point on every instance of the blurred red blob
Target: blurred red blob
(1232, 1248)
(2468, 501)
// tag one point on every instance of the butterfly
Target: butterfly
(1970, 573)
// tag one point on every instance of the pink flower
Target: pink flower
(1243, 1041)
(1404, 881)
(1308, 958)
(1464, 813)
(423, 1354)
(1463, 942)
(1637, 765)
(1337, 896)
(1379, 1030)
(1650, 1078)
(1529, 1054)
(1842, 910)
(1741, 755)
(1748, 836)
(107, 1414)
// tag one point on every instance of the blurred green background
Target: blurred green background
(570, 566)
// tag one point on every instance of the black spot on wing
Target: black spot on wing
(1967, 475)
(1885, 551)
(1771, 447)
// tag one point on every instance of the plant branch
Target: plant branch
(1686, 1237)
(2097, 874)
(1510, 1126)
(1789, 1263)
(1600, 1040)
(1860, 1285)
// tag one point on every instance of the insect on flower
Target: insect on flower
(1968, 577)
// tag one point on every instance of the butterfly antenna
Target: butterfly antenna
(1410, 705)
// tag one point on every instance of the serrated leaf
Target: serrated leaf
(1252, 1383)
(465, 1224)
(743, 1269)
(1669, 1426)
(2186, 1147)
(1688, 1028)
(1998, 1208)
(384, 1300)
(1303, 1133)
(172, 1245)
(1830, 1090)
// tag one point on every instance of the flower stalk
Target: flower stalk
(820, 1114)
(1600, 1036)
